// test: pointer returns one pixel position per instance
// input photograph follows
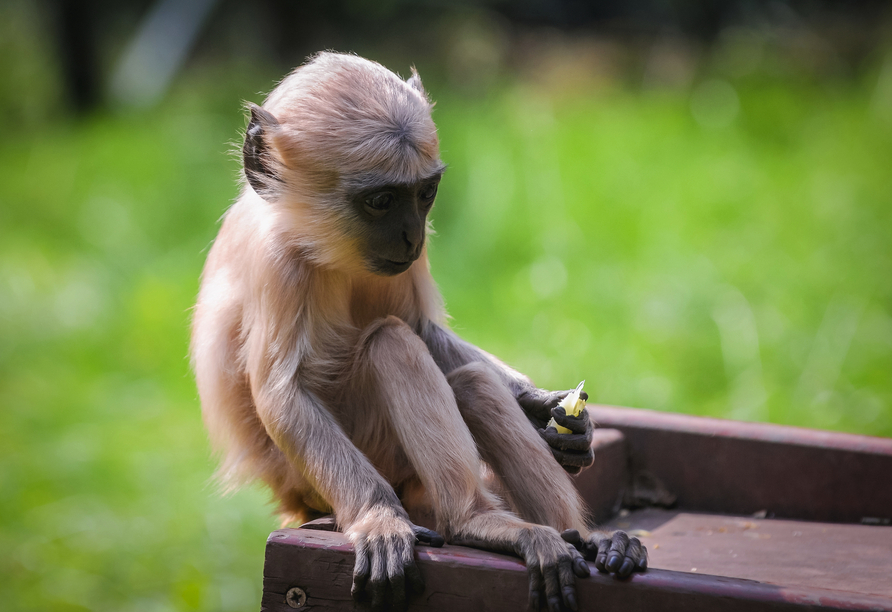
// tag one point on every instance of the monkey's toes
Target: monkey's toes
(620, 555)
(423, 535)
(571, 536)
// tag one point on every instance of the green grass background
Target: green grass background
(736, 266)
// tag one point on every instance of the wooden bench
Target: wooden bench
(762, 517)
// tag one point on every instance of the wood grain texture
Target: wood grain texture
(715, 465)
(464, 579)
(855, 558)
(700, 561)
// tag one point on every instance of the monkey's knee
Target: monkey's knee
(471, 375)
(389, 344)
(473, 379)
(478, 390)
(388, 333)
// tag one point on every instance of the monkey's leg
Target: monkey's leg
(397, 369)
(536, 486)
(573, 452)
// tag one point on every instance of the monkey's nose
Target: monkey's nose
(413, 238)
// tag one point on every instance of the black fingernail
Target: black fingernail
(626, 569)
(613, 562)
(570, 535)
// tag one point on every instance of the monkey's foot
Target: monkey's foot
(616, 552)
(385, 572)
(553, 566)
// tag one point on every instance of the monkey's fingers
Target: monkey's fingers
(580, 567)
(427, 536)
(386, 586)
(553, 590)
(396, 579)
(557, 396)
(620, 554)
(560, 579)
(642, 560)
(635, 553)
(378, 580)
(361, 568)
(537, 585)
(403, 576)
(579, 424)
(571, 536)
(574, 540)
(617, 551)
(537, 404)
(592, 545)
(414, 579)
(579, 442)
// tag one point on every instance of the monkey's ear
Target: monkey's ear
(259, 166)
(414, 82)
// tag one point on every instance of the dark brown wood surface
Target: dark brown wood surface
(839, 557)
(714, 465)
(700, 560)
(467, 580)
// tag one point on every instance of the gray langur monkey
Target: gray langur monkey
(325, 367)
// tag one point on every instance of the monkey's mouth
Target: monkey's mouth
(390, 267)
(399, 266)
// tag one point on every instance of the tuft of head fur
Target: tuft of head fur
(337, 122)
(341, 115)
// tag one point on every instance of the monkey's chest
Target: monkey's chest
(377, 299)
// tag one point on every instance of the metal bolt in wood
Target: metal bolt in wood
(295, 597)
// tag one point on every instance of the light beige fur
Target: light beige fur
(343, 390)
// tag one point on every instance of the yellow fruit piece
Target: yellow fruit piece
(572, 405)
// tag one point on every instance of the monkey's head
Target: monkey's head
(348, 152)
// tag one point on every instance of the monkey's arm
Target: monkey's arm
(366, 506)
(573, 450)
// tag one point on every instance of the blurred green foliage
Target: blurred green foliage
(723, 251)
(736, 268)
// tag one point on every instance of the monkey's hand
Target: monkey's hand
(552, 564)
(385, 570)
(573, 451)
(538, 403)
(615, 553)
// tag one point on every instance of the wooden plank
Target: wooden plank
(839, 557)
(741, 563)
(731, 467)
(320, 563)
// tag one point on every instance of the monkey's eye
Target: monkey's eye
(380, 202)
(429, 193)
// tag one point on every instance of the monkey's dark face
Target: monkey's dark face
(392, 222)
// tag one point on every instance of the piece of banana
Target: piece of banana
(572, 405)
